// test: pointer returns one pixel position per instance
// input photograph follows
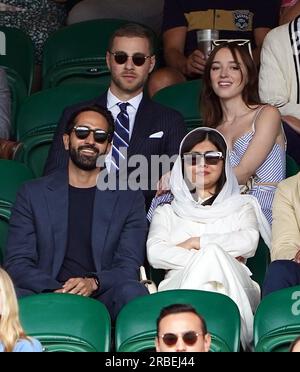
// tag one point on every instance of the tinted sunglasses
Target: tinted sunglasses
(137, 58)
(189, 338)
(239, 42)
(82, 132)
(210, 157)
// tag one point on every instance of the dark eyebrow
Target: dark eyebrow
(236, 63)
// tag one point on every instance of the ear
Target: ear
(66, 140)
(157, 345)
(152, 63)
(107, 57)
(207, 342)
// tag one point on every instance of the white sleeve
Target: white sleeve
(274, 80)
(242, 241)
(162, 254)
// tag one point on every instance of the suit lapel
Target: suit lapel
(57, 196)
(104, 206)
(142, 127)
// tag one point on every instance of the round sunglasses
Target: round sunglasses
(189, 338)
(210, 157)
(82, 132)
(137, 58)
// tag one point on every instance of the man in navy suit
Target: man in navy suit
(67, 236)
(153, 128)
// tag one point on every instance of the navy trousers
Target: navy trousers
(281, 274)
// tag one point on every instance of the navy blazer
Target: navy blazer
(37, 238)
(151, 118)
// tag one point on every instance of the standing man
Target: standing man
(67, 236)
(152, 129)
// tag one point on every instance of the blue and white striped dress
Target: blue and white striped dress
(272, 170)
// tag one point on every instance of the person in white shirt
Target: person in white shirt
(204, 236)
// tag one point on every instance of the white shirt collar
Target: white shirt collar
(112, 100)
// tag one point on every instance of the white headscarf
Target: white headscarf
(228, 201)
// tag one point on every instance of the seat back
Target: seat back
(18, 61)
(64, 322)
(136, 323)
(183, 97)
(40, 113)
(292, 168)
(259, 264)
(78, 51)
(277, 320)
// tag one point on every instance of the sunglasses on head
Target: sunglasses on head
(137, 58)
(189, 338)
(239, 42)
(210, 157)
(82, 132)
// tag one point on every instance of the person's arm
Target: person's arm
(131, 250)
(243, 241)
(285, 229)
(293, 122)
(274, 64)
(289, 13)
(5, 105)
(161, 252)
(174, 42)
(21, 254)
(267, 130)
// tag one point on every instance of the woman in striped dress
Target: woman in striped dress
(253, 131)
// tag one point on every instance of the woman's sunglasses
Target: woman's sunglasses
(82, 132)
(189, 338)
(137, 58)
(210, 157)
(238, 42)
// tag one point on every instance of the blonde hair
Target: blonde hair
(10, 328)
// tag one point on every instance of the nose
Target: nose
(224, 72)
(129, 64)
(180, 345)
(90, 139)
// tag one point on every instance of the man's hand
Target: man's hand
(195, 64)
(191, 243)
(297, 257)
(163, 185)
(79, 286)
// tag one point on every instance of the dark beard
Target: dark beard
(86, 163)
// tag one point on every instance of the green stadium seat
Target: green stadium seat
(183, 97)
(136, 323)
(18, 62)
(66, 323)
(292, 168)
(277, 320)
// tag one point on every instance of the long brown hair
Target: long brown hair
(210, 103)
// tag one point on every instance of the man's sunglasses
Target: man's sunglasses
(210, 157)
(238, 42)
(189, 338)
(137, 58)
(82, 132)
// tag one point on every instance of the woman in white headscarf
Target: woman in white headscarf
(204, 236)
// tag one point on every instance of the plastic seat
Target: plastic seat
(183, 97)
(136, 323)
(64, 322)
(18, 62)
(41, 111)
(78, 52)
(277, 321)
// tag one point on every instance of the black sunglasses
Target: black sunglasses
(82, 132)
(189, 338)
(137, 58)
(210, 157)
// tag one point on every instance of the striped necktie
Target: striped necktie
(121, 135)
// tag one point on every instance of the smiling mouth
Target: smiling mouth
(224, 84)
(88, 151)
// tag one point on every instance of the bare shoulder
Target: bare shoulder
(269, 118)
(269, 111)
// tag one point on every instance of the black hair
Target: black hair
(95, 108)
(179, 309)
(133, 30)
